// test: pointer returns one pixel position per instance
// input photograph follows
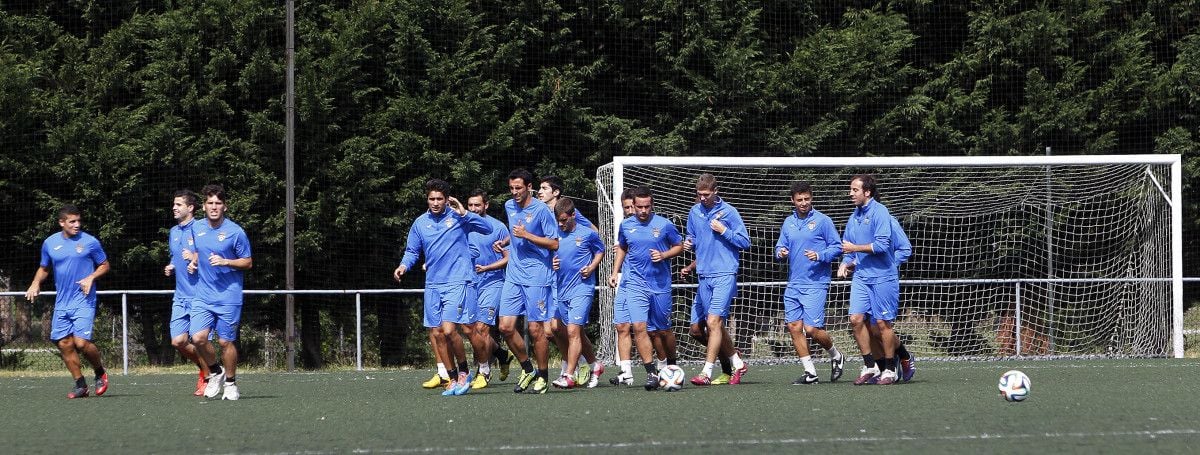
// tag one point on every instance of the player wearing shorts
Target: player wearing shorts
(78, 260)
(489, 283)
(182, 246)
(549, 192)
(579, 253)
(809, 242)
(649, 241)
(908, 363)
(875, 288)
(224, 255)
(716, 230)
(440, 236)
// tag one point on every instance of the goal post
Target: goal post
(1012, 255)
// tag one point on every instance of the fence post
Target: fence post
(358, 328)
(125, 333)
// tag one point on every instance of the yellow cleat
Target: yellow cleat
(722, 379)
(480, 382)
(435, 382)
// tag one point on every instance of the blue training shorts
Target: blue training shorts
(620, 308)
(806, 305)
(713, 297)
(880, 299)
(489, 302)
(181, 316)
(222, 318)
(652, 308)
(529, 301)
(453, 302)
(75, 321)
(575, 311)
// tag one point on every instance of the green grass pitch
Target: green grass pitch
(1076, 406)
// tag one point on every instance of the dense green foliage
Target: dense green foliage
(113, 105)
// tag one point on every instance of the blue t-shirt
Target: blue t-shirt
(717, 254)
(483, 254)
(220, 284)
(638, 239)
(581, 220)
(442, 239)
(182, 239)
(813, 232)
(529, 264)
(872, 224)
(901, 245)
(73, 259)
(575, 251)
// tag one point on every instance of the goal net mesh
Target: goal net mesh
(1048, 260)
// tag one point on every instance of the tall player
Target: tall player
(440, 235)
(716, 230)
(182, 246)
(580, 251)
(527, 278)
(224, 252)
(489, 283)
(908, 363)
(809, 242)
(875, 288)
(649, 241)
(549, 191)
(78, 260)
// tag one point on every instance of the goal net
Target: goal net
(1012, 256)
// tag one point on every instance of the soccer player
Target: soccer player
(224, 255)
(621, 312)
(649, 241)
(875, 288)
(579, 252)
(549, 191)
(182, 246)
(902, 251)
(440, 236)
(716, 230)
(489, 282)
(78, 260)
(534, 238)
(809, 242)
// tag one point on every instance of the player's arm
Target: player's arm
(781, 249)
(687, 269)
(618, 260)
(86, 283)
(547, 225)
(412, 252)
(735, 231)
(36, 286)
(833, 242)
(472, 222)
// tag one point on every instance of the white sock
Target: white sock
(662, 363)
(442, 371)
(808, 365)
(834, 352)
(708, 367)
(737, 361)
(626, 367)
(485, 368)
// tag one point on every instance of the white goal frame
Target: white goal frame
(1173, 196)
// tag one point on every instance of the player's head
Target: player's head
(520, 184)
(436, 192)
(706, 190)
(70, 220)
(183, 205)
(627, 202)
(214, 202)
(564, 212)
(802, 197)
(862, 189)
(549, 188)
(478, 202)
(643, 203)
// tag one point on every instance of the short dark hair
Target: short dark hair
(627, 194)
(67, 210)
(521, 173)
(706, 181)
(438, 185)
(800, 187)
(478, 192)
(213, 189)
(564, 205)
(868, 184)
(643, 192)
(556, 184)
(189, 198)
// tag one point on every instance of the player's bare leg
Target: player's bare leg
(800, 343)
(70, 356)
(541, 345)
(862, 335)
(888, 339)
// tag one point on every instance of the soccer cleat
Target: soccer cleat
(738, 373)
(838, 364)
(721, 379)
(888, 377)
(621, 379)
(231, 392)
(866, 375)
(213, 386)
(808, 378)
(908, 367)
(481, 381)
(450, 386)
(78, 392)
(652, 382)
(564, 382)
(435, 382)
(595, 380)
(701, 379)
(464, 384)
(523, 381)
(583, 373)
(101, 384)
(505, 365)
(200, 384)
(539, 385)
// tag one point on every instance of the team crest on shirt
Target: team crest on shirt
(578, 241)
(449, 223)
(221, 237)
(528, 217)
(812, 225)
(191, 242)
(654, 232)
(79, 248)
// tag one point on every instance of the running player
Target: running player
(579, 252)
(182, 245)
(489, 282)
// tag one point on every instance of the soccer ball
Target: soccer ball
(671, 378)
(1014, 385)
